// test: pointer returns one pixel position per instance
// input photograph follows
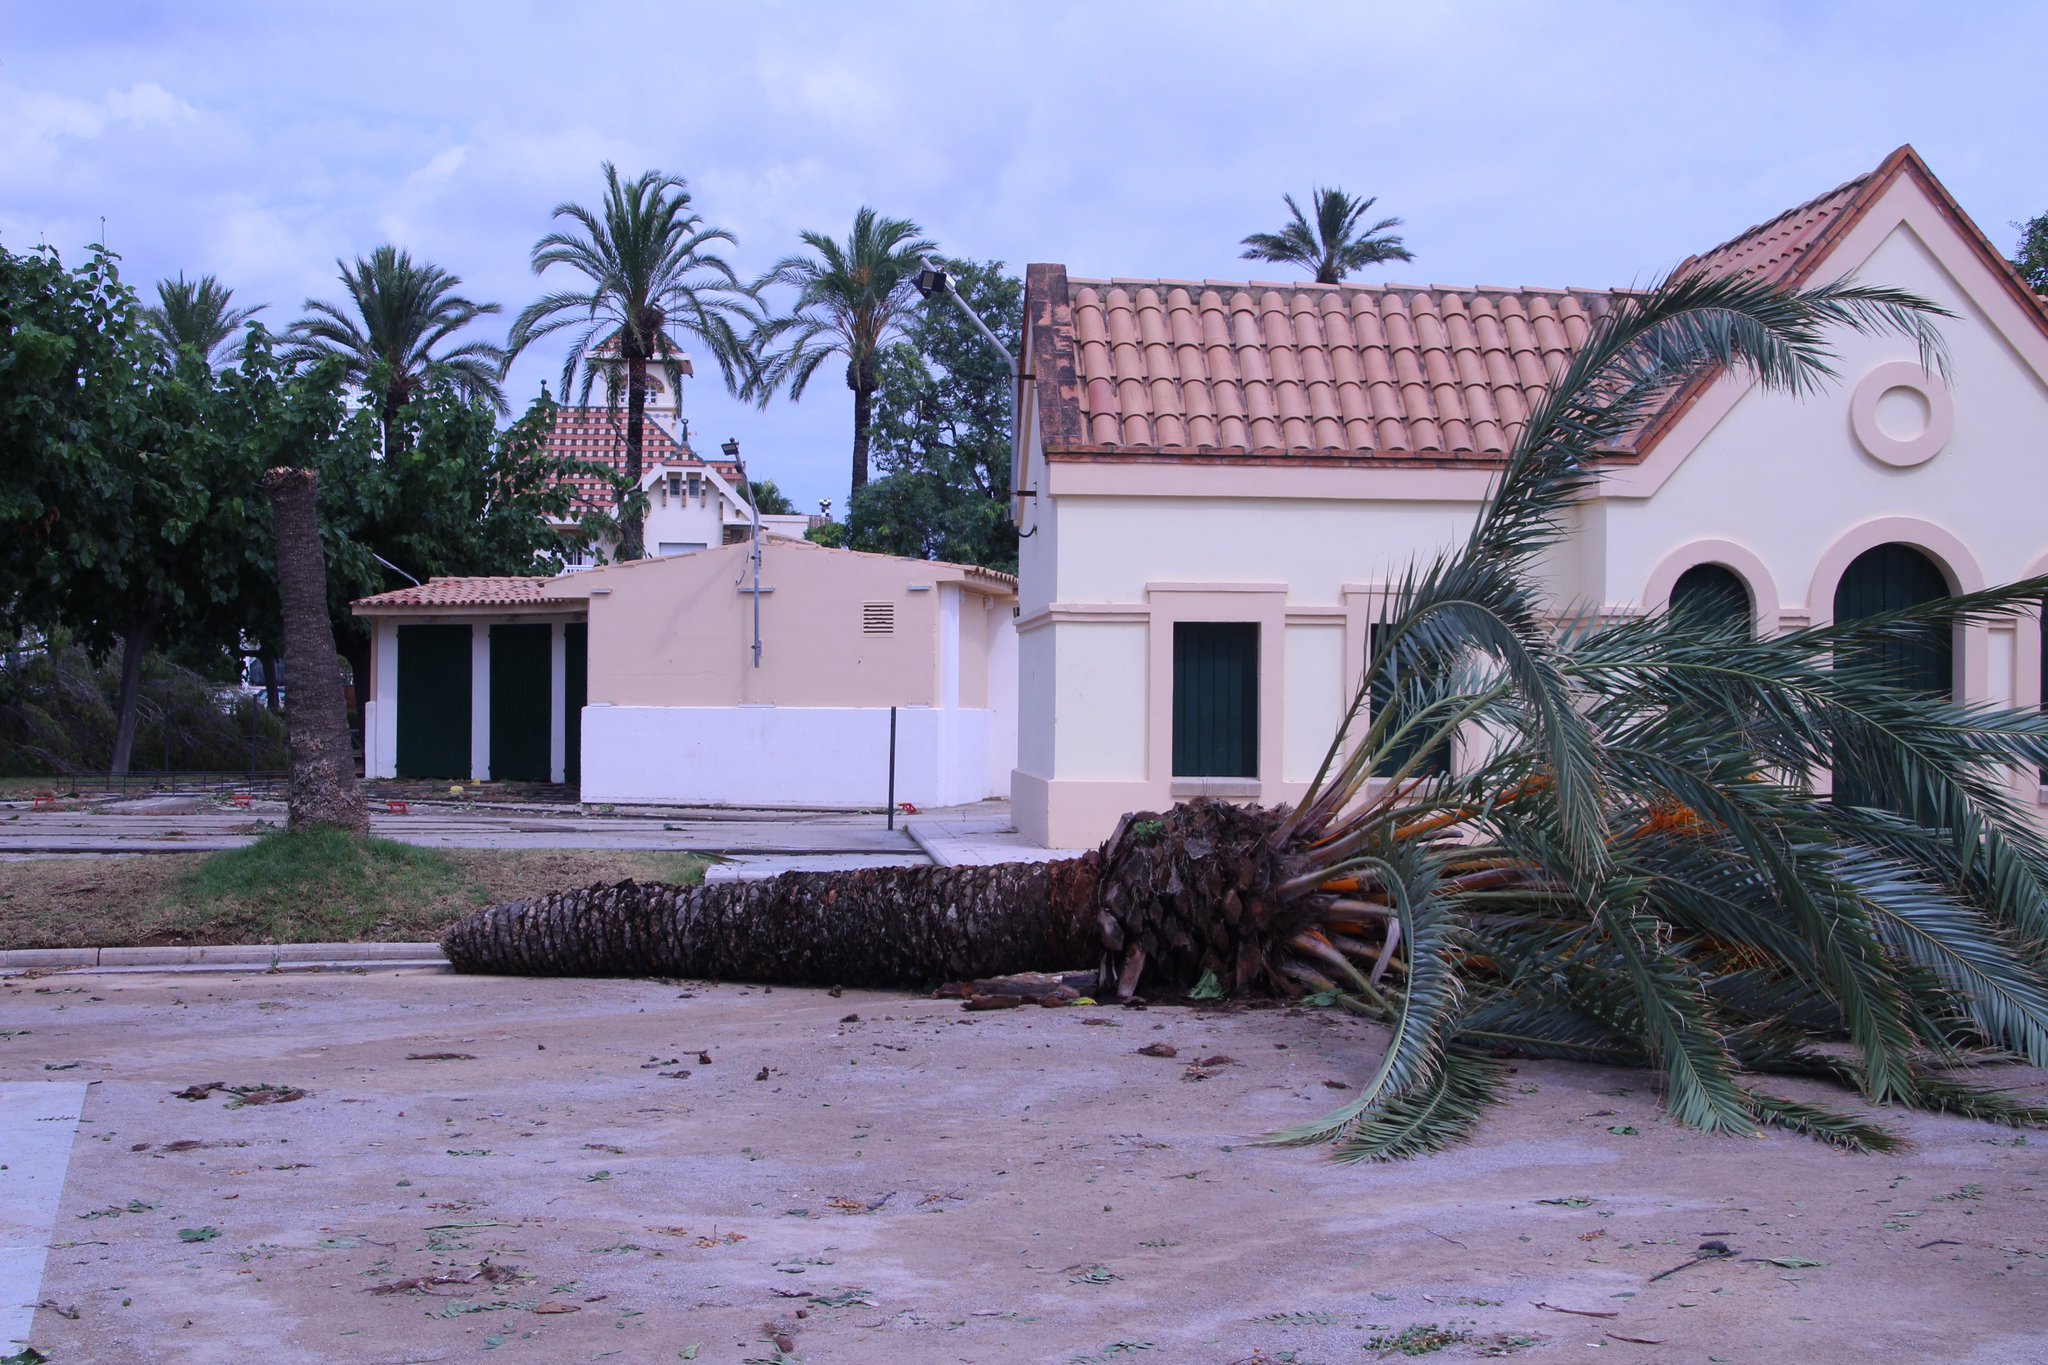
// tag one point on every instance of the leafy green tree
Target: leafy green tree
(2032, 260)
(1632, 864)
(197, 314)
(393, 334)
(127, 504)
(1336, 244)
(942, 430)
(853, 298)
(652, 277)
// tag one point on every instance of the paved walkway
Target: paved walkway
(38, 1120)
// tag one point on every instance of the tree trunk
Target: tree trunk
(323, 787)
(863, 418)
(1167, 899)
(632, 526)
(134, 644)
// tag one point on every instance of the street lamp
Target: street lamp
(731, 451)
(934, 279)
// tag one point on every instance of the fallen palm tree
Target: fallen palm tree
(1630, 864)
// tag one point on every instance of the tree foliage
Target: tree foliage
(197, 314)
(853, 298)
(395, 335)
(652, 276)
(1338, 243)
(2031, 258)
(942, 431)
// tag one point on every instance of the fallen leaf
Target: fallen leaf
(1159, 1050)
(553, 1306)
(439, 1057)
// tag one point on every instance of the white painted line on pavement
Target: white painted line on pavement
(38, 1120)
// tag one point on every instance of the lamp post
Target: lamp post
(934, 279)
(731, 451)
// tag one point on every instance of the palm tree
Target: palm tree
(196, 314)
(852, 299)
(1634, 867)
(651, 276)
(390, 336)
(322, 789)
(1335, 245)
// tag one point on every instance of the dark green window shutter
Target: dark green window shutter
(1891, 578)
(1215, 699)
(1711, 594)
(433, 701)
(521, 714)
(1437, 762)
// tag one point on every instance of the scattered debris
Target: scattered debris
(1159, 1050)
(241, 1095)
(1709, 1251)
(1578, 1312)
(439, 1057)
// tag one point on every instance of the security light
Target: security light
(731, 448)
(932, 280)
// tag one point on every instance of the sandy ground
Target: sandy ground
(922, 1184)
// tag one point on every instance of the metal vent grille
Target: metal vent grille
(878, 618)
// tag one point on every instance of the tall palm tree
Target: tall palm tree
(1634, 867)
(322, 789)
(391, 334)
(651, 277)
(852, 300)
(1336, 244)
(196, 314)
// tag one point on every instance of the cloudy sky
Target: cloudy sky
(1555, 143)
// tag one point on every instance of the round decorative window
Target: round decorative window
(1901, 415)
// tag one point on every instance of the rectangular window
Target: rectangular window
(1215, 699)
(1436, 763)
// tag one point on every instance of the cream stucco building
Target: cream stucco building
(640, 681)
(1218, 481)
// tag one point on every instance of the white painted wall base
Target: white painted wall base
(784, 756)
(380, 740)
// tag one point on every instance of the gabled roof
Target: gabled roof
(1369, 374)
(438, 593)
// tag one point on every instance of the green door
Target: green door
(1892, 578)
(521, 710)
(1215, 699)
(433, 701)
(575, 696)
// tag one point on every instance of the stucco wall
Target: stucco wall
(783, 756)
(680, 632)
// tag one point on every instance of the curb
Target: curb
(230, 956)
(929, 847)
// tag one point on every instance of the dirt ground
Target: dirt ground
(653, 1172)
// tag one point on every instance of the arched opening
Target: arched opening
(1713, 594)
(1891, 578)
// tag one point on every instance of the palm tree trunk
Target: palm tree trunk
(1168, 898)
(863, 418)
(134, 644)
(632, 526)
(323, 787)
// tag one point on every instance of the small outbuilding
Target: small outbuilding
(658, 682)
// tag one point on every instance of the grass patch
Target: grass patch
(302, 886)
(315, 885)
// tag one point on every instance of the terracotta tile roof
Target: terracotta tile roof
(1218, 368)
(597, 436)
(460, 592)
(1777, 250)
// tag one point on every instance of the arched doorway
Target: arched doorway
(1891, 578)
(1713, 594)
